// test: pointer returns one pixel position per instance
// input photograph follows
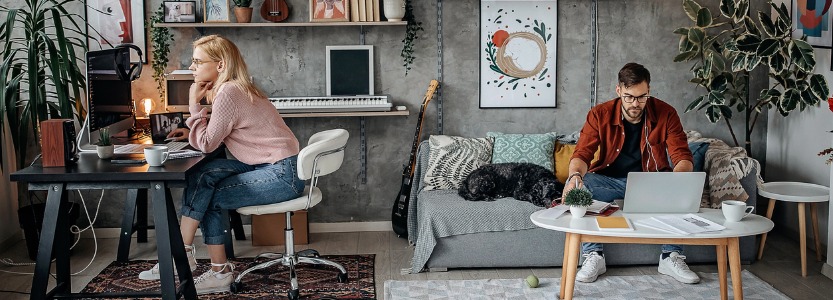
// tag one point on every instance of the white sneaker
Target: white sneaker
(215, 281)
(674, 265)
(153, 273)
(593, 266)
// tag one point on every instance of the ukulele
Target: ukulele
(274, 10)
(399, 216)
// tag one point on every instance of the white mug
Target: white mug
(734, 211)
(156, 155)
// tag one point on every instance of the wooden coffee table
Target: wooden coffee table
(584, 230)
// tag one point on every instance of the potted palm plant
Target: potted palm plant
(243, 12)
(578, 199)
(105, 147)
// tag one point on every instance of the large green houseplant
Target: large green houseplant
(39, 73)
(726, 47)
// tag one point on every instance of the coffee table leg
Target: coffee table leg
(769, 211)
(564, 264)
(815, 220)
(734, 266)
(802, 229)
(721, 271)
(572, 265)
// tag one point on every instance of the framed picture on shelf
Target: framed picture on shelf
(114, 22)
(518, 53)
(813, 18)
(216, 11)
(180, 11)
(350, 70)
(329, 10)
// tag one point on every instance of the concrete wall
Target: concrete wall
(290, 61)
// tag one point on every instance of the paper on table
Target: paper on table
(554, 213)
(690, 223)
(656, 224)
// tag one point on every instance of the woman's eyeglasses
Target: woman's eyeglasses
(198, 62)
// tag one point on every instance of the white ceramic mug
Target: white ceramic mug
(156, 155)
(734, 211)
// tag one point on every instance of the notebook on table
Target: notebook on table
(664, 192)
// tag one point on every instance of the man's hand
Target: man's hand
(179, 134)
(198, 91)
(574, 182)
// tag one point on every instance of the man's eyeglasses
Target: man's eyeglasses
(630, 99)
(198, 62)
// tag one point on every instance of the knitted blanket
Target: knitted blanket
(725, 167)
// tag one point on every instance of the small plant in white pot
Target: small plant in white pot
(104, 148)
(578, 199)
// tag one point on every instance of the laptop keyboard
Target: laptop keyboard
(140, 148)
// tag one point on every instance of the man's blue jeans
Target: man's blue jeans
(231, 184)
(608, 189)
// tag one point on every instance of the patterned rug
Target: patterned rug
(315, 281)
(607, 287)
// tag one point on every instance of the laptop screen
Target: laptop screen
(162, 124)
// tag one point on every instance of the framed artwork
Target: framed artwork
(114, 22)
(180, 11)
(518, 53)
(216, 11)
(350, 70)
(329, 10)
(813, 18)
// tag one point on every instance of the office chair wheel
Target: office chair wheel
(293, 294)
(342, 277)
(309, 253)
(236, 287)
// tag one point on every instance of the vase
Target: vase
(578, 211)
(243, 14)
(394, 10)
(104, 152)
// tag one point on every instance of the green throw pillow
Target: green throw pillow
(523, 148)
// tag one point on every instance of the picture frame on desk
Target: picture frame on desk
(180, 11)
(216, 11)
(329, 10)
(114, 22)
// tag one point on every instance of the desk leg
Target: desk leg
(237, 225)
(734, 266)
(770, 208)
(802, 230)
(228, 241)
(142, 216)
(50, 243)
(572, 265)
(127, 225)
(721, 272)
(169, 242)
(564, 264)
(815, 220)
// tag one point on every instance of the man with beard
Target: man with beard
(633, 133)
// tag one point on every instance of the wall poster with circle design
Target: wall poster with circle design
(518, 53)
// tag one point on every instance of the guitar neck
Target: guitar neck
(415, 145)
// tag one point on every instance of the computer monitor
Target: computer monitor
(178, 85)
(109, 99)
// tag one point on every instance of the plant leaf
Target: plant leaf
(685, 56)
(691, 9)
(696, 36)
(713, 114)
(777, 62)
(750, 26)
(789, 101)
(768, 47)
(704, 17)
(693, 105)
(818, 85)
(766, 23)
(748, 43)
(801, 55)
(719, 83)
(727, 8)
(681, 31)
(741, 10)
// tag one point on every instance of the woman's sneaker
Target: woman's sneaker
(215, 281)
(153, 273)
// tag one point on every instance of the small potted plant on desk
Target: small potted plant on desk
(578, 199)
(104, 148)
(243, 12)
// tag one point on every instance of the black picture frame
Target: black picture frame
(179, 11)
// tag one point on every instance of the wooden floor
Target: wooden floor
(779, 267)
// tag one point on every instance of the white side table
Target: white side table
(802, 193)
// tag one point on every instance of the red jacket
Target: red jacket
(603, 130)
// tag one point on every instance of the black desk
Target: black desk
(92, 173)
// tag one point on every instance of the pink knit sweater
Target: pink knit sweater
(253, 131)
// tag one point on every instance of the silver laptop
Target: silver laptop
(664, 192)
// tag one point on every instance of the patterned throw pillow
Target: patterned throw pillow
(452, 158)
(523, 148)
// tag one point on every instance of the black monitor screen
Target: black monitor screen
(110, 99)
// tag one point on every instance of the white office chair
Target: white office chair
(323, 155)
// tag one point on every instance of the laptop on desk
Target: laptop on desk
(664, 192)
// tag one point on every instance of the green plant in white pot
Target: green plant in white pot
(105, 147)
(578, 199)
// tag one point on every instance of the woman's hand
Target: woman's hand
(198, 91)
(179, 134)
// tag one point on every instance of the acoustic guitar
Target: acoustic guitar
(274, 10)
(399, 216)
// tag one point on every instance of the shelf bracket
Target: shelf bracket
(201, 30)
(363, 150)
(440, 66)
(362, 33)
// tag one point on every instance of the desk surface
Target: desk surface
(90, 168)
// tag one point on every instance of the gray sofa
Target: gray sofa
(449, 232)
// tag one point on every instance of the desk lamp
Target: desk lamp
(148, 105)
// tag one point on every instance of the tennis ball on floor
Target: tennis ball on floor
(532, 281)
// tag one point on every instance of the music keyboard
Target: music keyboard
(331, 104)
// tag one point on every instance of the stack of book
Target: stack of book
(680, 224)
(365, 10)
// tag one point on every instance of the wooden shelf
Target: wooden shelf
(264, 24)
(348, 114)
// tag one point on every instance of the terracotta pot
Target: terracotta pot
(243, 14)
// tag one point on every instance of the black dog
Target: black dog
(523, 181)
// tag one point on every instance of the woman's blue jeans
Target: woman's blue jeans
(230, 184)
(608, 189)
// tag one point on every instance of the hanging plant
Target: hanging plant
(410, 35)
(161, 39)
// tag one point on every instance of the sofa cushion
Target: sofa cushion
(452, 158)
(562, 154)
(698, 151)
(523, 148)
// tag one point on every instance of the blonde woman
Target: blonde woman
(253, 131)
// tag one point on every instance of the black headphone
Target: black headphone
(134, 70)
